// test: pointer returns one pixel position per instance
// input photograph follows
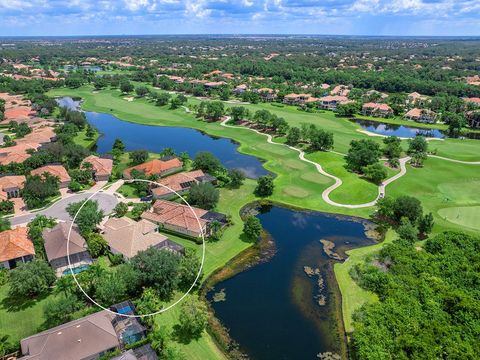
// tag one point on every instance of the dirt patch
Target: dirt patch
(130, 98)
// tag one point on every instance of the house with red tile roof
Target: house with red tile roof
(15, 247)
(181, 218)
(10, 186)
(56, 170)
(17, 153)
(421, 115)
(340, 90)
(331, 102)
(299, 99)
(156, 167)
(101, 167)
(472, 100)
(180, 183)
(377, 109)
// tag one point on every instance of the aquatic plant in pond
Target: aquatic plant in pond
(289, 307)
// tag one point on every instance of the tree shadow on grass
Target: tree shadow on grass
(183, 337)
(14, 304)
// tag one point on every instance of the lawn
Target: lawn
(20, 320)
(353, 296)
(82, 140)
(439, 184)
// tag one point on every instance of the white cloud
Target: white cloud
(135, 5)
(197, 8)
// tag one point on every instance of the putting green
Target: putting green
(463, 215)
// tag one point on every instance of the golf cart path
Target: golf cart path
(338, 181)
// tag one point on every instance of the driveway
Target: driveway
(105, 201)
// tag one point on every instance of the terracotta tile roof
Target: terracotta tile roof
(78, 339)
(55, 170)
(178, 182)
(377, 106)
(417, 113)
(341, 90)
(156, 167)
(179, 215)
(130, 237)
(18, 113)
(40, 135)
(14, 244)
(56, 241)
(337, 98)
(17, 153)
(101, 166)
(9, 183)
(474, 100)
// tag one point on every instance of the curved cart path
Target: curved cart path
(338, 181)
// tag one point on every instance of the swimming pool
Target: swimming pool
(75, 270)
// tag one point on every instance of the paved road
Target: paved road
(106, 202)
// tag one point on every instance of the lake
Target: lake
(157, 138)
(397, 130)
(275, 310)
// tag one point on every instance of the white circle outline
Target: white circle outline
(163, 309)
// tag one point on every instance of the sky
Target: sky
(332, 17)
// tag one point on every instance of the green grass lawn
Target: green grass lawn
(353, 296)
(82, 140)
(20, 320)
(439, 184)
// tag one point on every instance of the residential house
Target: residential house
(473, 118)
(101, 167)
(180, 183)
(331, 102)
(340, 90)
(299, 99)
(128, 237)
(87, 338)
(15, 247)
(473, 80)
(10, 186)
(421, 115)
(473, 100)
(214, 84)
(240, 89)
(160, 167)
(180, 218)
(17, 153)
(266, 94)
(56, 170)
(376, 109)
(55, 241)
(416, 98)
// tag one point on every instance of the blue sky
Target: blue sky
(344, 17)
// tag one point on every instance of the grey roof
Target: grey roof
(56, 241)
(75, 340)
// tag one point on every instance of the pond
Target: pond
(397, 130)
(288, 307)
(157, 138)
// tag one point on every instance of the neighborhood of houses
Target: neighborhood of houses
(416, 105)
(102, 332)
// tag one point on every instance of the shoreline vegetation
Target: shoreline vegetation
(292, 178)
